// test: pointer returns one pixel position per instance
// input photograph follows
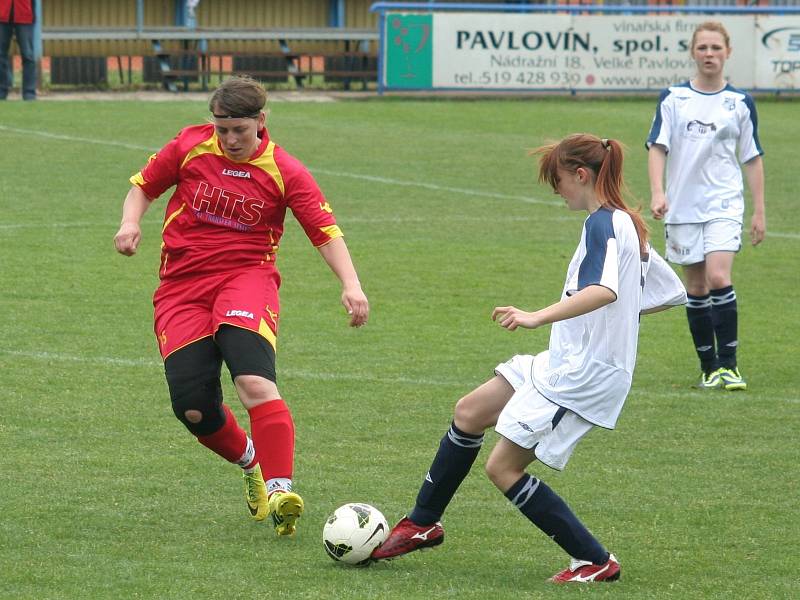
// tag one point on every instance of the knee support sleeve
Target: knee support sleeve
(204, 397)
(193, 376)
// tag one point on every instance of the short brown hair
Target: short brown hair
(238, 97)
(711, 26)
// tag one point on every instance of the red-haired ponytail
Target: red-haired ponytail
(604, 158)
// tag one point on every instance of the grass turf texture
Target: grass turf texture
(105, 494)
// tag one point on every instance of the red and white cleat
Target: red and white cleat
(406, 537)
(583, 571)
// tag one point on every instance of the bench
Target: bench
(345, 64)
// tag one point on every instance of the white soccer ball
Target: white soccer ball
(353, 531)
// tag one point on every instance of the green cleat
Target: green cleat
(285, 508)
(255, 493)
(710, 381)
(731, 379)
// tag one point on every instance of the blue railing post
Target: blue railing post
(37, 31)
(336, 14)
(139, 16)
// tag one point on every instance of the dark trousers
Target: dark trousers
(24, 35)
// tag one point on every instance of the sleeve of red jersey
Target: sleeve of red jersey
(161, 171)
(307, 203)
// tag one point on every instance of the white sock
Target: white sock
(248, 456)
(279, 484)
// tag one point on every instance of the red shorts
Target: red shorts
(190, 309)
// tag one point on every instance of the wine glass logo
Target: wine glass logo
(411, 38)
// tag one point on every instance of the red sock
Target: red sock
(272, 429)
(230, 441)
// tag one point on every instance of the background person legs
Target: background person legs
(6, 73)
(24, 35)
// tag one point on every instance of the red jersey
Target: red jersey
(226, 215)
(22, 12)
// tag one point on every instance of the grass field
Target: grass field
(104, 494)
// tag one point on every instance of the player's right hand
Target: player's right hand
(512, 317)
(127, 238)
(659, 206)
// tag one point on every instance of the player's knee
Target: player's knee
(468, 416)
(502, 473)
(198, 405)
(697, 288)
(195, 416)
(494, 470)
(717, 281)
(256, 388)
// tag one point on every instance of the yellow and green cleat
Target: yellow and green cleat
(731, 379)
(285, 508)
(255, 493)
(710, 381)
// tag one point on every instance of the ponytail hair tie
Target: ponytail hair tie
(605, 143)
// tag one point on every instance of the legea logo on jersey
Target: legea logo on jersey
(232, 173)
(239, 313)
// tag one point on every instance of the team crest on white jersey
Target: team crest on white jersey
(239, 313)
(697, 129)
(729, 103)
(232, 173)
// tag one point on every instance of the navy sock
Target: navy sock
(698, 311)
(457, 451)
(725, 316)
(545, 509)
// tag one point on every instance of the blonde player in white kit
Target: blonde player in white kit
(543, 405)
(696, 131)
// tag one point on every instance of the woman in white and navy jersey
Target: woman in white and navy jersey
(542, 405)
(698, 128)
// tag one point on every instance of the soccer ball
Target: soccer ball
(353, 531)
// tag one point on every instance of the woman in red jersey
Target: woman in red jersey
(218, 296)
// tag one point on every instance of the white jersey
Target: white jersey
(701, 132)
(588, 366)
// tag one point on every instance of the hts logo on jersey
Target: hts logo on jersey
(239, 313)
(227, 208)
(232, 173)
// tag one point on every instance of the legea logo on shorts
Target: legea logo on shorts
(239, 313)
(232, 173)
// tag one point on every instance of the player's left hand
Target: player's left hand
(127, 238)
(357, 305)
(758, 229)
(511, 317)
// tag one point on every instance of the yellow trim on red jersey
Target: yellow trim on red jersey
(265, 331)
(266, 162)
(332, 231)
(209, 146)
(137, 179)
(172, 216)
(174, 350)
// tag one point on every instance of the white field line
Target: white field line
(490, 218)
(110, 361)
(359, 176)
(72, 138)
(437, 188)
(345, 221)
(325, 376)
(370, 178)
(779, 234)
